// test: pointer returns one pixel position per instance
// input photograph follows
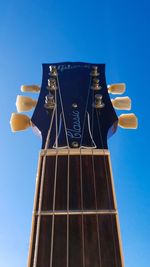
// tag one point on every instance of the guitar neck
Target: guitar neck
(75, 218)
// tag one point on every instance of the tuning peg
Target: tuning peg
(122, 103)
(19, 122)
(30, 88)
(117, 88)
(24, 103)
(128, 121)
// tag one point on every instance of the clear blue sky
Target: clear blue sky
(111, 32)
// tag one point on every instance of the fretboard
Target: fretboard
(75, 219)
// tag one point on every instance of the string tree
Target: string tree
(98, 101)
(95, 85)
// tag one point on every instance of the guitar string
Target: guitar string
(107, 180)
(94, 178)
(41, 195)
(54, 196)
(68, 183)
(81, 178)
(55, 177)
(68, 173)
(82, 216)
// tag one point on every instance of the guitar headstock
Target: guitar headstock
(74, 108)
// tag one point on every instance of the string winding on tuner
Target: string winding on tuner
(94, 72)
(49, 102)
(53, 71)
(95, 84)
(98, 101)
(52, 86)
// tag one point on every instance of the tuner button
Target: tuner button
(24, 103)
(122, 103)
(19, 122)
(117, 88)
(128, 121)
(30, 88)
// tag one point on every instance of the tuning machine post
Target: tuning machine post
(49, 102)
(53, 71)
(52, 84)
(95, 84)
(94, 71)
(98, 102)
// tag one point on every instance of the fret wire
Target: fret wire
(76, 212)
(75, 151)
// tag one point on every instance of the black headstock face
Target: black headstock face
(74, 109)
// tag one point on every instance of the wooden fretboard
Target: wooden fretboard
(75, 220)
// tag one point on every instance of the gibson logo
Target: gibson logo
(75, 132)
(69, 66)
